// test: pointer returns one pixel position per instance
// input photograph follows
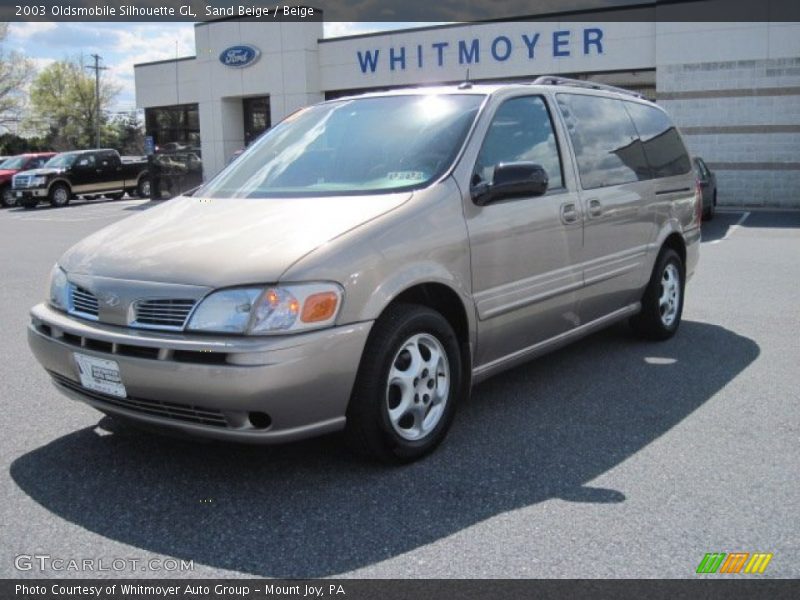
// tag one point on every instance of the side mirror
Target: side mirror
(511, 180)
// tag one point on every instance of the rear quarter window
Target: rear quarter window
(660, 139)
(607, 147)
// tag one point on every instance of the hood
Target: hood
(221, 242)
(41, 171)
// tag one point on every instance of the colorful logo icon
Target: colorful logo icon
(720, 562)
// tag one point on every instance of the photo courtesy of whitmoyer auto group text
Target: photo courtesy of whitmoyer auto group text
(400, 299)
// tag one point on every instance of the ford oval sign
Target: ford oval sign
(239, 56)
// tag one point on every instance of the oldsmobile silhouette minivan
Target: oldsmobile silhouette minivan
(369, 259)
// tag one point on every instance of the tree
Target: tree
(126, 134)
(15, 71)
(62, 100)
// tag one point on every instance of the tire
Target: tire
(143, 188)
(59, 195)
(29, 203)
(7, 196)
(377, 425)
(662, 303)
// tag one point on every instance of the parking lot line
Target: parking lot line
(733, 228)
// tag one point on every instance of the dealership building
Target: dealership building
(733, 88)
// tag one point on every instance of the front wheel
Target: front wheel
(662, 303)
(407, 386)
(59, 195)
(7, 197)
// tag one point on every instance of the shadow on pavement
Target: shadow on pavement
(544, 430)
(717, 228)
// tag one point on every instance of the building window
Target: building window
(256, 117)
(174, 128)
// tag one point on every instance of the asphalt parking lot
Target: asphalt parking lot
(610, 458)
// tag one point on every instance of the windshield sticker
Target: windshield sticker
(406, 175)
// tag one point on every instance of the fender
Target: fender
(59, 180)
(415, 274)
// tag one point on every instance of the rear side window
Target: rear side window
(521, 131)
(607, 148)
(662, 145)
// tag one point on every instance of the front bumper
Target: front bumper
(210, 385)
(38, 193)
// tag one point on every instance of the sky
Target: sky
(124, 44)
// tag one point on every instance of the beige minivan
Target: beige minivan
(370, 258)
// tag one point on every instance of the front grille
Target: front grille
(198, 357)
(162, 313)
(83, 302)
(22, 181)
(157, 408)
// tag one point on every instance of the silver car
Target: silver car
(369, 259)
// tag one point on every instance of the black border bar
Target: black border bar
(401, 10)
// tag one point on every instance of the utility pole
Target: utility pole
(96, 68)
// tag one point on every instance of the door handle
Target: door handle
(595, 208)
(569, 214)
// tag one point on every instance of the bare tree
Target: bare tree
(15, 72)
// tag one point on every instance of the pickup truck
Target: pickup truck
(86, 173)
(13, 165)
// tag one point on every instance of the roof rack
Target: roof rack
(554, 80)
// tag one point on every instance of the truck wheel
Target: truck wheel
(7, 196)
(407, 386)
(662, 303)
(59, 195)
(29, 203)
(143, 189)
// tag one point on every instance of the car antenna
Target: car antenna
(466, 84)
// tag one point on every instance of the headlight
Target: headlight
(59, 288)
(260, 311)
(35, 181)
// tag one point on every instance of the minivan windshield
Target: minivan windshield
(61, 161)
(352, 146)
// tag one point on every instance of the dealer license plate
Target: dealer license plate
(100, 375)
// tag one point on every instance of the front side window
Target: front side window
(607, 147)
(662, 145)
(521, 131)
(355, 146)
(86, 161)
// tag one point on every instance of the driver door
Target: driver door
(84, 174)
(525, 251)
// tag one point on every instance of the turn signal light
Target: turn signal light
(319, 307)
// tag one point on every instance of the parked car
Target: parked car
(13, 165)
(369, 259)
(708, 186)
(81, 173)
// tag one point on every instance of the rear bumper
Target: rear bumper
(210, 385)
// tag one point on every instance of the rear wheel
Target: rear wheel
(662, 303)
(7, 196)
(407, 386)
(143, 188)
(59, 195)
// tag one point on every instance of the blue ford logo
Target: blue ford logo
(239, 56)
